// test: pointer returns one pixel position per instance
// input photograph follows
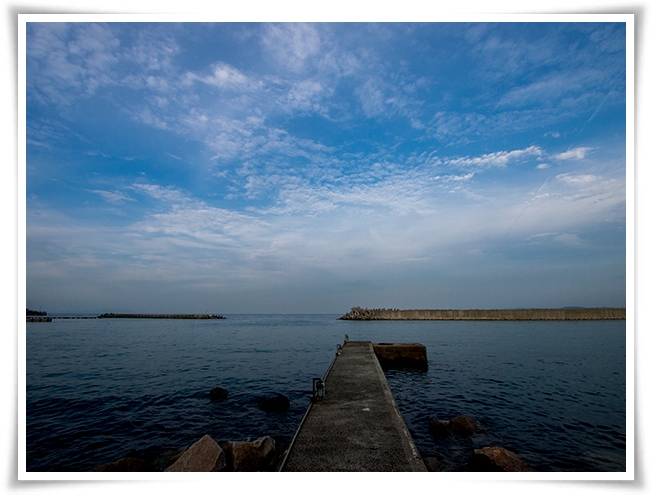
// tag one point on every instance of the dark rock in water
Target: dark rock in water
(124, 465)
(276, 403)
(202, 456)
(251, 456)
(439, 428)
(218, 393)
(497, 459)
(462, 425)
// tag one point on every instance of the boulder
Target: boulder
(126, 464)
(278, 457)
(251, 456)
(218, 393)
(202, 456)
(439, 428)
(462, 425)
(401, 355)
(497, 459)
(165, 459)
(275, 403)
(433, 464)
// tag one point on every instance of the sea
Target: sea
(98, 390)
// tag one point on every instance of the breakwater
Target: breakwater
(32, 312)
(363, 314)
(165, 317)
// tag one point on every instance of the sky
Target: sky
(309, 168)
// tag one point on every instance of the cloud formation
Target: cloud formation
(287, 159)
(573, 154)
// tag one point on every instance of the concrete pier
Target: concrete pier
(357, 425)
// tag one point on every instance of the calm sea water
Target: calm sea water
(99, 390)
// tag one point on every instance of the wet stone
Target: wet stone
(218, 393)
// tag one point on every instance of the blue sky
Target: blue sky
(308, 168)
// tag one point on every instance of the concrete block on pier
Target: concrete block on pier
(401, 355)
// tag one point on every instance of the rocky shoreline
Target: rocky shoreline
(264, 454)
(34, 316)
(208, 455)
(539, 314)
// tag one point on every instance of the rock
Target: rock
(204, 456)
(497, 459)
(165, 459)
(126, 464)
(251, 456)
(462, 425)
(278, 457)
(276, 403)
(218, 393)
(401, 355)
(433, 464)
(358, 313)
(439, 428)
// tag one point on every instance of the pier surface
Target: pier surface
(357, 425)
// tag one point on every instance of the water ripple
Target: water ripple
(552, 393)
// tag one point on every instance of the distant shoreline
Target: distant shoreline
(365, 314)
(164, 316)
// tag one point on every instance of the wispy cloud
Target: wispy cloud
(498, 159)
(225, 76)
(291, 45)
(570, 178)
(70, 60)
(307, 95)
(570, 240)
(573, 154)
(164, 193)
(551, 89)
(115, 197)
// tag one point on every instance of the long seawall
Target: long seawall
(358, 313)
(165, 317)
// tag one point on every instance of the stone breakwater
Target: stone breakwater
(173, 317)
(365, 314)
